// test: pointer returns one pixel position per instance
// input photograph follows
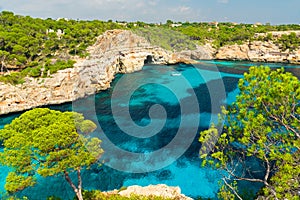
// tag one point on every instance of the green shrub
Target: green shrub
(13, 78)
(58, 65)
(166, 38)
(53, 198)
(18, 77)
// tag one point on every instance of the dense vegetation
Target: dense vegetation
(44, 142)
(37, 44)
(260, 142)
(36, 71)
(166, 38)
(288, 42)
(219, 34)
(228, 33)
(46, 45)
(25, 40)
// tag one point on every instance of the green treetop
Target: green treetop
(263, 126)
(47, 142)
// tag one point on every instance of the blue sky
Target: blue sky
(241, 11)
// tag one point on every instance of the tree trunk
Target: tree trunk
(77, 191)
(2, 66)
(79, 195)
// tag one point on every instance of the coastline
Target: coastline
(258, 51)
(66, 101)
(128, 54)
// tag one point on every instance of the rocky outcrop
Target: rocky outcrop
(116, 51)
(258, 51)
(205, 52)
(277, 34)
(160, 190)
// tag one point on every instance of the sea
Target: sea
(149, 123)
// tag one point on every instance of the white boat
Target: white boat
(175, 74)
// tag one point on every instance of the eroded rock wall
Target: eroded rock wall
(258, 51)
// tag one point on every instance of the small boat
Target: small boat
(175, 74)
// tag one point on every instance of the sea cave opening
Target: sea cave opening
(149, 59)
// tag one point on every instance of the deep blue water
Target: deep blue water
(149, 122)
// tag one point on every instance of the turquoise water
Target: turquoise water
(149, 122)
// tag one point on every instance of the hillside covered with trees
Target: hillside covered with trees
(36, 47)
(29, 45)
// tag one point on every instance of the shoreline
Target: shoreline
(249, 61)
(128, 54)
(67, 101)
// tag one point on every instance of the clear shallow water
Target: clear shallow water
(132, 127)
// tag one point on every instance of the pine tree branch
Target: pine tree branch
(232, 189)
(67, 177)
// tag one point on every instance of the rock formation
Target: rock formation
(116, 51)
(205, 52)
(277, 34)
(258, 51)
(160, 190)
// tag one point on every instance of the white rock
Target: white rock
(161, 190)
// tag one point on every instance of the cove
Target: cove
(149, 122)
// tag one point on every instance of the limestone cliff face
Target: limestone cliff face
(258, 51)
(116, 51)
(205, 52)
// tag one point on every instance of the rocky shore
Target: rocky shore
(160, 190)
(258, 51)
(121, 51)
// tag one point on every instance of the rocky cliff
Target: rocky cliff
(205, 52)
(258, 51)
(116, 51)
